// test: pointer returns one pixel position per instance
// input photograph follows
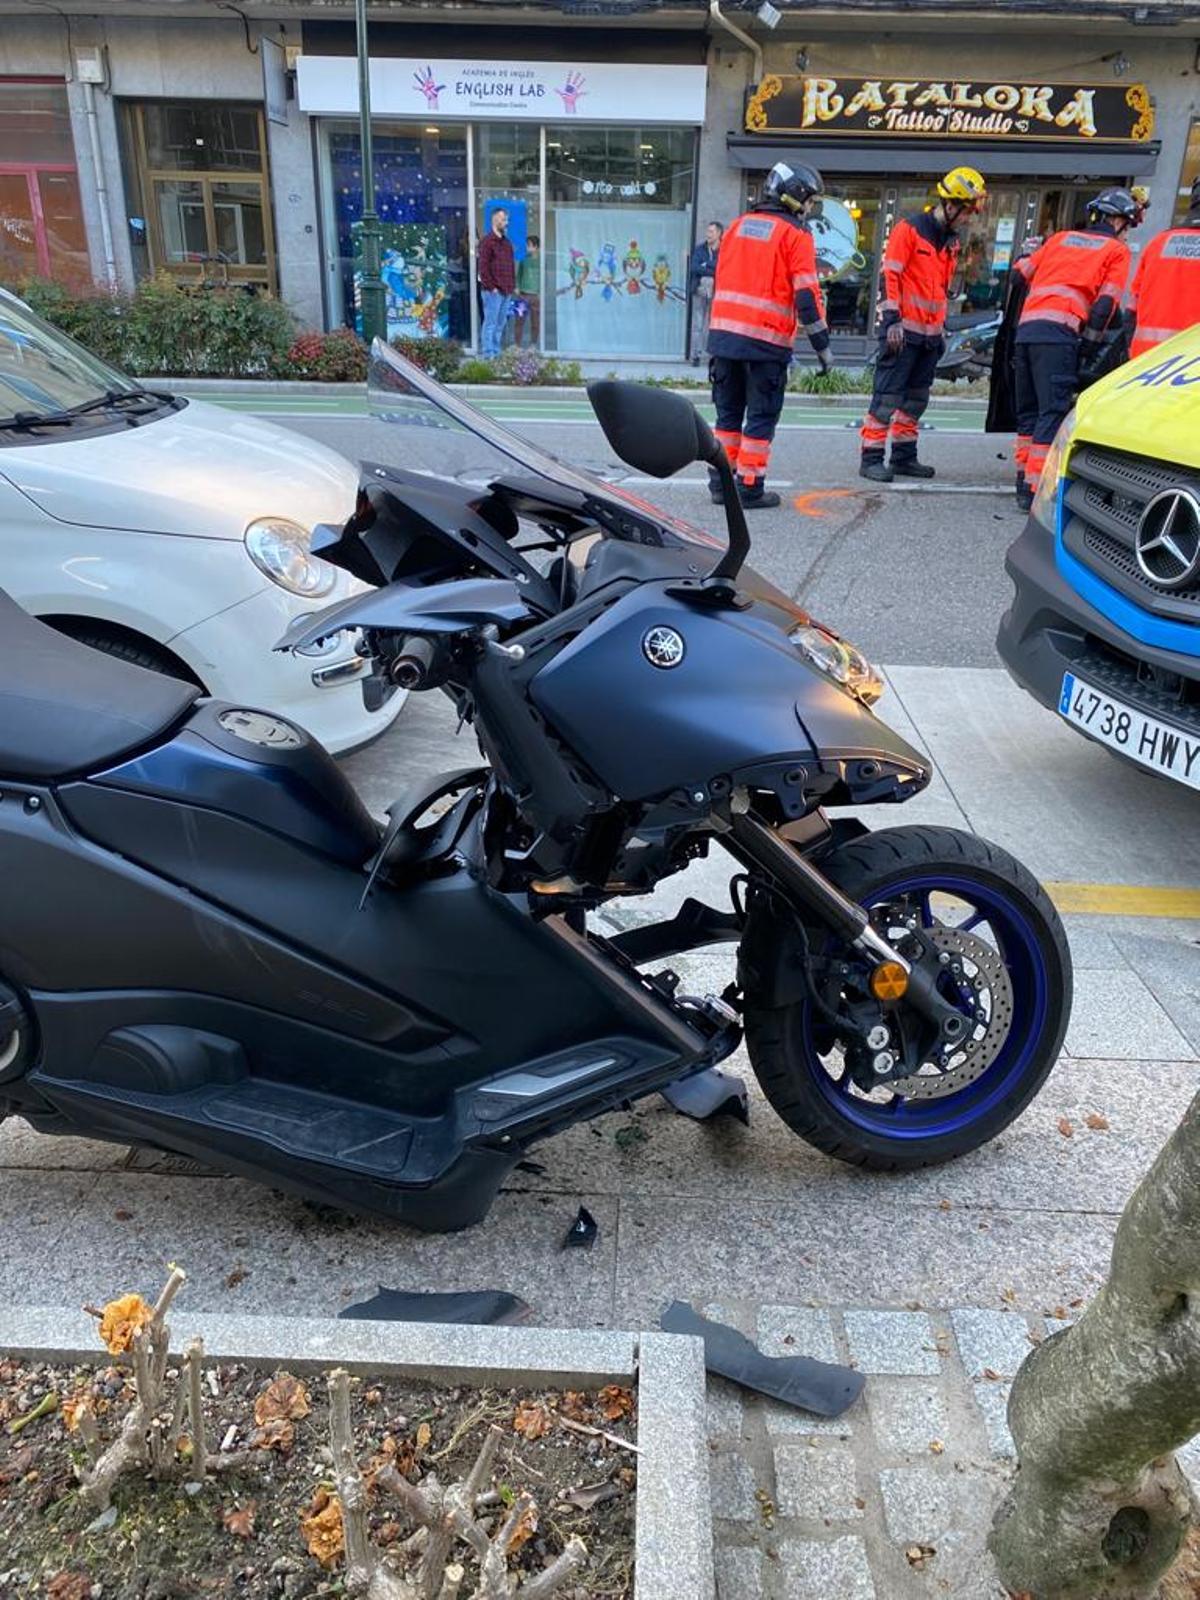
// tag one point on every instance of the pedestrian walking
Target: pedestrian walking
(920, 260)
(529, 289)
(497, 280)
(702, 272)
(1166, 285)
(765, 285)
(1074, 284)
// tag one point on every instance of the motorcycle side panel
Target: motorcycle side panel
(741, 697)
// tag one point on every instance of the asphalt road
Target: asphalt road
(913, 575)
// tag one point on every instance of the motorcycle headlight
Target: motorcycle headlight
(1045, 501)
(839, 660)
(280, 550)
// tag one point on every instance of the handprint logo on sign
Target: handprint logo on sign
(572, 91)
(428, 87)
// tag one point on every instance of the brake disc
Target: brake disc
(982, 970)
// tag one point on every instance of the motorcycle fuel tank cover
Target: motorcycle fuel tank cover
(657, 695)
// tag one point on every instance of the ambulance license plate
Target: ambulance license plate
(1152, 744)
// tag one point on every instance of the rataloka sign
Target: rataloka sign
(935, 108)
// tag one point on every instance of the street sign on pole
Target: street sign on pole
(371, 292)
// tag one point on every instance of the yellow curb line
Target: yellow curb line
(1124, 899)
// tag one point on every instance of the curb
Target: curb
(199, 387)
(673, 1535)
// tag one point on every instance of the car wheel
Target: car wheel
(129, 647)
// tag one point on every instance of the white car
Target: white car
(173, 533)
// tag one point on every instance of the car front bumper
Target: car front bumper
(1050, 630)
(233, 653)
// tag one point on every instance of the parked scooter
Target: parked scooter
(209, 946)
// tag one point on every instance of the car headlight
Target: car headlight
(839, 660)
(1045, 501)
(279, 549)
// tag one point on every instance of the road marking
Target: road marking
(1125, 900)
(808, 503)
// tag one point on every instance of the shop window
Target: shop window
(618, 226)
(187, 215)
(421, 200)
(41, 219)
(1189, 174)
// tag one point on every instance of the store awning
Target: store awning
(1015, 158)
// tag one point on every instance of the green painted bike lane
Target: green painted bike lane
(946, 415)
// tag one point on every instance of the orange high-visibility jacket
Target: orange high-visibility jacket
(767, 265)
(1166, 287)
(919, 263)
(1076, 280)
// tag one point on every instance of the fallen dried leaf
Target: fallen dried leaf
(1060, 1314)
(74, 1407)
(122, 1215)
(322, 1528)
(1066, 1127)
(275, 1434)
(919, 1555)
(240, 1521)
(615, 1402)
(284, 1396)
(121, 1320)
(527, 1525)
(69, 1586)
(373, 1397)
(1097, 1121)
(936, 1447)
(944, 1205)
(531, 1420)
(992, 1375)
(1009, 1296)
(575, 1405)
(238, 1275)
(424, 1435)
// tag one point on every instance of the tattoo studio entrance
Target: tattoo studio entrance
(882, 143)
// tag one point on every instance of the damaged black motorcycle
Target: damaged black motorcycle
(209, 946)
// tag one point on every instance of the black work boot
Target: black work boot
(876, 469)
(715, 492)
(1024, 494)
(910, 467)
(755, 497)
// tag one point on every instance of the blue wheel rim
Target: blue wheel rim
(1016, 939)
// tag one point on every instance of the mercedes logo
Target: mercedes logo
(663, 647)
(1167, 542)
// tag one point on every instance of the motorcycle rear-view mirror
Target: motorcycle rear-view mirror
(651, 430)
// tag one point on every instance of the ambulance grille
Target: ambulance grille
(1106, 495)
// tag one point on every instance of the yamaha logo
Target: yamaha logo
(663, 647)
(1167, 542)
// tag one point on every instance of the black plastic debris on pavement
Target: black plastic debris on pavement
(798, 1381)
(708, 1094)
(479, 1307)
(582, 1233)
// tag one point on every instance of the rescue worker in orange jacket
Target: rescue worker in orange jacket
(766, 283)
(920, 260)
(1075, 283)
(1166, 285)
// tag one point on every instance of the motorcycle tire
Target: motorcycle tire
(910, 865)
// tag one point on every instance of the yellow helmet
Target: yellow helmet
(965, 185)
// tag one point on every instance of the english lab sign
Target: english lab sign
(931, 108)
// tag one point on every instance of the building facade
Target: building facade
(219, 143)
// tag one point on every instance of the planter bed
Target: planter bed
(423, 1400)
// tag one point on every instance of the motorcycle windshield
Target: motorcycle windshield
(452, 438)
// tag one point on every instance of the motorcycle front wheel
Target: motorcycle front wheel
(1005, 956)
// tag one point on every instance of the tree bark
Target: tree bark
(1100, 1508)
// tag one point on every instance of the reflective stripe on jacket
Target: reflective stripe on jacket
(766, 272)
(1076, 279)
(1166, 287)
(919, 262)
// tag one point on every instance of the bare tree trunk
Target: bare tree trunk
(1100, 1508)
